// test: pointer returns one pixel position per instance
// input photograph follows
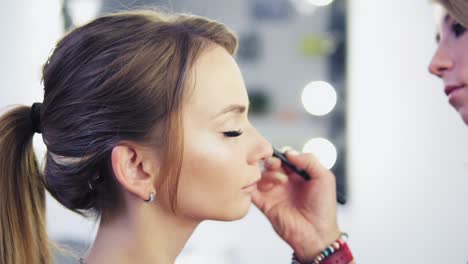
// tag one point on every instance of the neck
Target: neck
(146, 234)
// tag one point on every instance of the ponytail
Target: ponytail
(23, 236)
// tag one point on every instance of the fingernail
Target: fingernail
(281, 177)
(293, 152)
(285, 148)
(269, 161)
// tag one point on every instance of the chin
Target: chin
(236, 213)
(464, 115)
(465, 119)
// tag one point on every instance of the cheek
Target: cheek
(461, 52)
(464, 66)
(211, 176)
(207, 153)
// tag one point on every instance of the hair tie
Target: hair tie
(36, 117)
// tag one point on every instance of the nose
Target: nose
(441, 62)
(262, 149)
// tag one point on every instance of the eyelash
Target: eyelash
(458, 29)
(232, 133)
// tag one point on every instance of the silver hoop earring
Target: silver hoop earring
(152, 197)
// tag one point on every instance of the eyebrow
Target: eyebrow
(447, 18)
(236, 108)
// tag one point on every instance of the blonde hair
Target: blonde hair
(120, 77)
(458, 9)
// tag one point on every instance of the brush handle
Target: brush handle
(284, 161)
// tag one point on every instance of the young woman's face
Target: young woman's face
(221, 149)
(450, 62)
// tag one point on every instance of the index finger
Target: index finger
(307, 162)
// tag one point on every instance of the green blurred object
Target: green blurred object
(260, 102)
(67, 20)
(315, 45)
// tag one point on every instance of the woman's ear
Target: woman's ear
(135, 168)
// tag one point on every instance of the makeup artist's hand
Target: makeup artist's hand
(302, 212)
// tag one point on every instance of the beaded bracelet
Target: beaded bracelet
(340, 245)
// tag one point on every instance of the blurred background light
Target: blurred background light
(318, 98)
(314, 45)
(323, 149)
(303, 7)
(320, 2)
(82, 11)
(307, 7)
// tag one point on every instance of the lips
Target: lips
(451, 88)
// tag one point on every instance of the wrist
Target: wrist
(307, 250)
(336, 252)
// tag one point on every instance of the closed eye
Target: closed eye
(232, 133)
(458, 29)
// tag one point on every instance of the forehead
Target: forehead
(443, 18)
(217, 82)
(440, 15)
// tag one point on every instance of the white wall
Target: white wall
(408, 148)
(408, 160)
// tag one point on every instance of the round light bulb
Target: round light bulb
(320, 2)
(323, 149)
(319, 98)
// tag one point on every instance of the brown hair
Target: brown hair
(119, 77)
(458, 9)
